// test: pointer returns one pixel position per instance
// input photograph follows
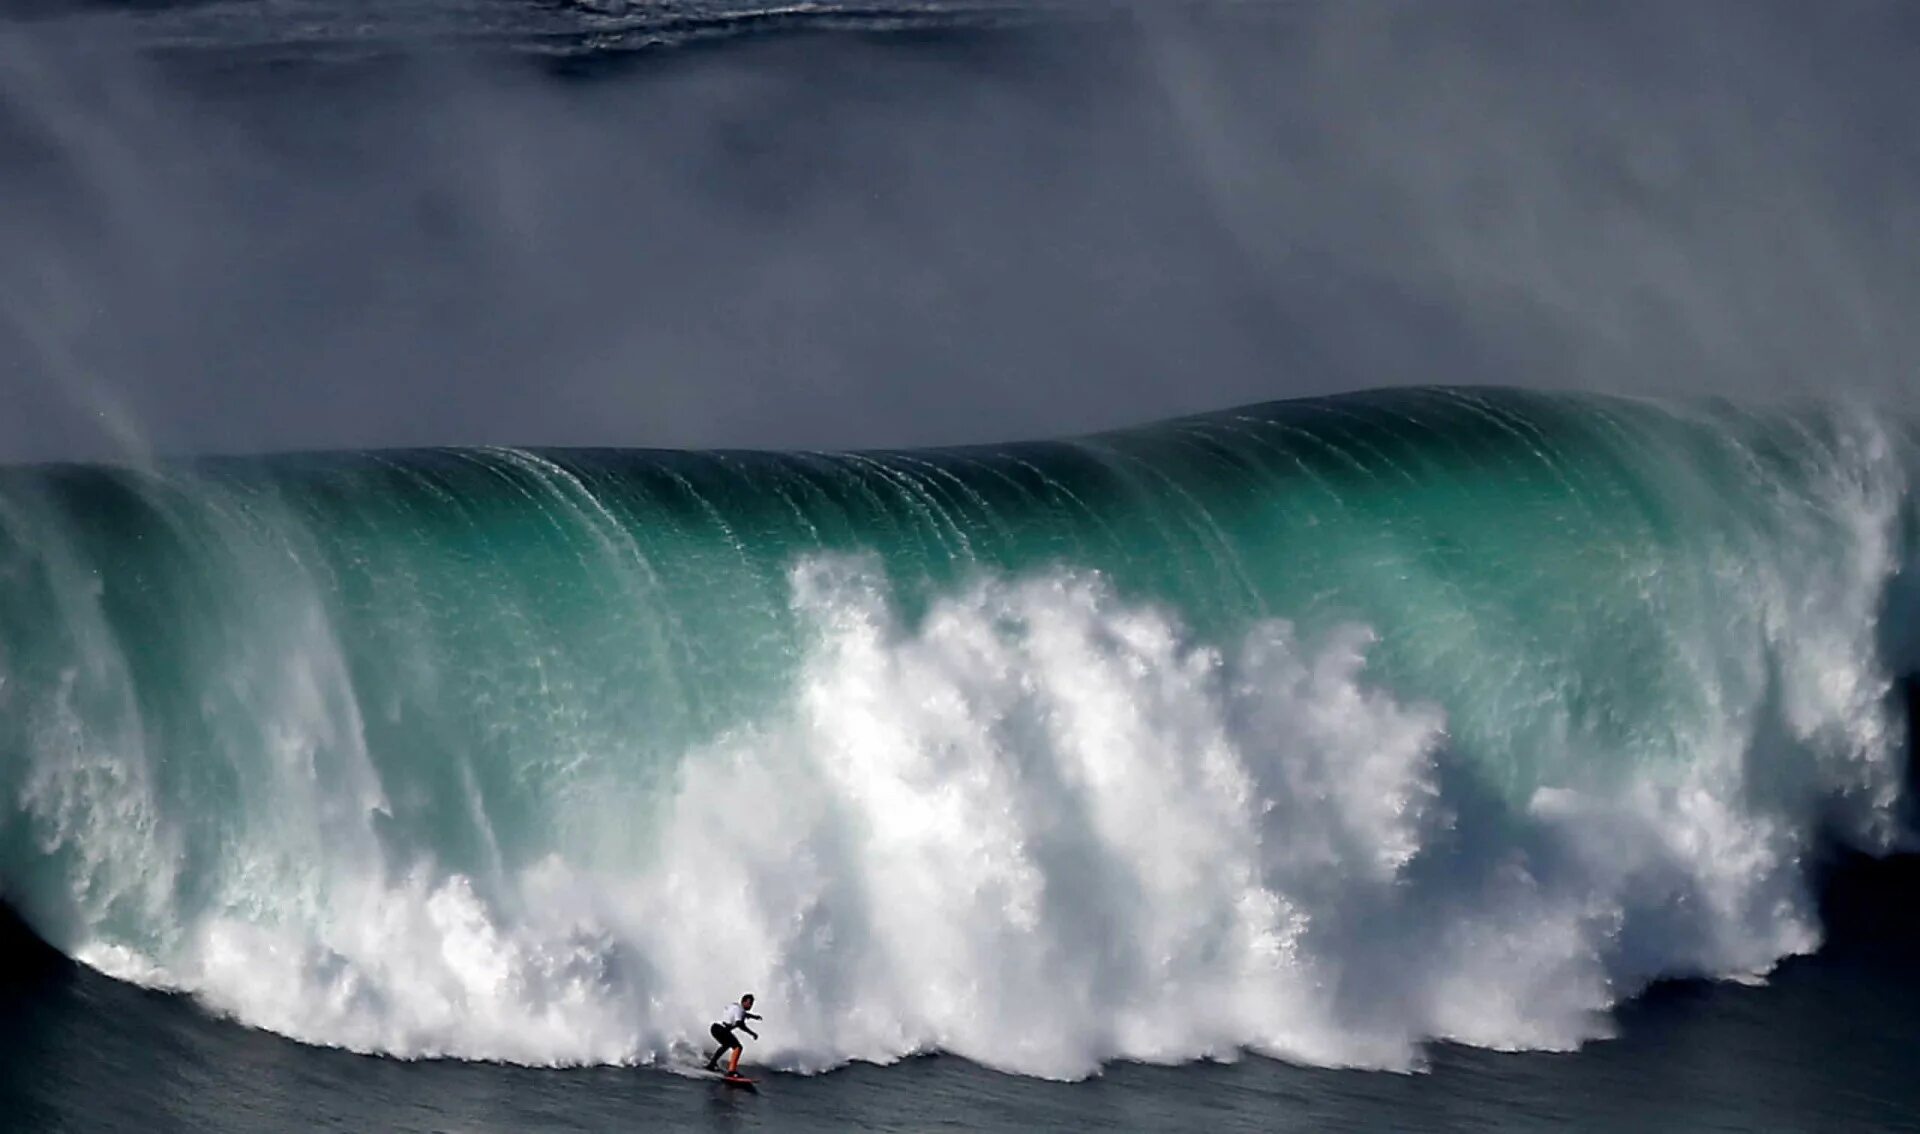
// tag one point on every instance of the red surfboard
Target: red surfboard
(738, 1081)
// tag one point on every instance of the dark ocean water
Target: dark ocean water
(1827, 1045)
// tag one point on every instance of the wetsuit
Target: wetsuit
(736, 1016)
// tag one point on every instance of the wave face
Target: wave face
(1319, 729)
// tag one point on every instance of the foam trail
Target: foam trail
(1321, 730)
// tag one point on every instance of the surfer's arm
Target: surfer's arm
(750, 1031)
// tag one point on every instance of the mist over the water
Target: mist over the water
(235, 227)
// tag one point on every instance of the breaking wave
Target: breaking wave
(1320, 729)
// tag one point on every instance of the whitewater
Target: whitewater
(1321, 729)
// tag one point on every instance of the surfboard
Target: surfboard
(738, 1081)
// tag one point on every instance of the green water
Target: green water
(221, 674)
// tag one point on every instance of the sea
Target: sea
(1195, 566)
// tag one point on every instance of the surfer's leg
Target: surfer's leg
(725, 1039)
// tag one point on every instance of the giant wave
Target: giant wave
(1321, 729)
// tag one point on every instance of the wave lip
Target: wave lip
(1322, 730)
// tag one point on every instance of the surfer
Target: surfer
(736, 1016)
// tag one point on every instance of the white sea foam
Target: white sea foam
(1041, 827)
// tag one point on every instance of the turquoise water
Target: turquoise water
(1272, 694)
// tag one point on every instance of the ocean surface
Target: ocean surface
(1471, 745)
(1825, 1047)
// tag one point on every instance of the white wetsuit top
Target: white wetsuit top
(733, 1017)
